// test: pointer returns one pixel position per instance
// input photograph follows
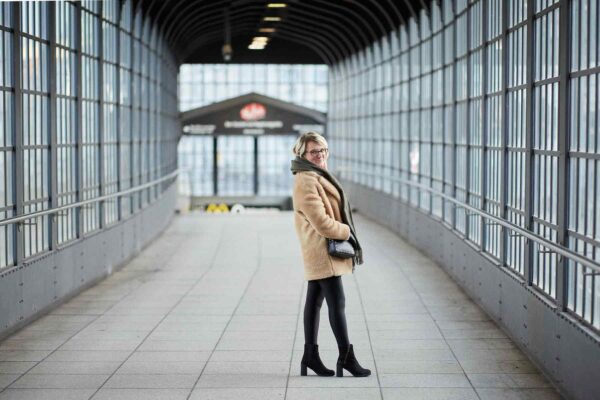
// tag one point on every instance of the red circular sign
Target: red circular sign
(253, 112)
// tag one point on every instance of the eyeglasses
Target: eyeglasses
(315, 153)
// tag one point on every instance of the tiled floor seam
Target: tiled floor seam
(384, 252)
(73, 335)
(287, 381)
(256, 269)
(362, 306)
(165, 316)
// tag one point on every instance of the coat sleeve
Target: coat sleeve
(309, 202)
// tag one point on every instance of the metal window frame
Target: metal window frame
(19, 254)
(49, 39)
(563, 150)
(79, 121)
(503, 115)
(529, 86)
(53, 128)
(100, 83)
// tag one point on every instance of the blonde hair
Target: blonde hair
(299, 148)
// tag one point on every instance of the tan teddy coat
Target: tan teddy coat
(317, 217)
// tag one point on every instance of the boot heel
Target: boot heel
(340, 371)
(302, 369)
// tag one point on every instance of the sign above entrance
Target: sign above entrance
(252, 114)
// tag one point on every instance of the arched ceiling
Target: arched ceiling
(308, 32)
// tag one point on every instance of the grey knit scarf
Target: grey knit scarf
(301, 164)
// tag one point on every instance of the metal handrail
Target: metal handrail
(563, 251)
(22, 218)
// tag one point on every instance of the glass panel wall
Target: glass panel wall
(583, 230)
(110, 97)
(235, 164)
(90, 109)
(66, 118)
(202, 84)
(274, 153)
(196, 158)
(472, 108)
(7, 136)
(66, 128)
(35, 123)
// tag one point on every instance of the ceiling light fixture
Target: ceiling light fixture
(267, 30)
(258, 43)
(272, 19)
(227, 49)
(276, 5)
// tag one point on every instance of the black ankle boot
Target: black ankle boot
(312, 360)
(348, 361)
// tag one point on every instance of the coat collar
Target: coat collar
(329, 187)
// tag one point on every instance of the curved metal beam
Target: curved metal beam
(318, 46)
(385, 15)
(161, 21)
(353, 13)
(347, 35)
(344, 37)
(360, 39)
(411, 9)
(185, 21)
(396, 11)
(373, 17)
(215, 25)
(324, 49)
(345, 28)
(211, 37)
(168, 25)
(314, 36)
(341, 37)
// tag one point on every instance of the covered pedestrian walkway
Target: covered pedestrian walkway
(464, 132)
(212, 309)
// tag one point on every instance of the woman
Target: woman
(321, 211)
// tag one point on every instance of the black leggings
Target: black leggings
(332, 290)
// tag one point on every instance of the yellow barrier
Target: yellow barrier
(214, 208)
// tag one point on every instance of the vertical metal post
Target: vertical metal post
(54, 218)
(443, 110)
(119, 200)
(18, 125)
(133, 196)
(79, 124)
(430, 144)
(408, 114)
(468, 124)
(563, 150)
(101, 141)
(454, 113)
(101, 147)
(504, 138)
(528, 256)
(256, 165)
(418, 110)
(215, 166)
(485, 124)
(409, 194)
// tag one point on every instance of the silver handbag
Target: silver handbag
(340, 248)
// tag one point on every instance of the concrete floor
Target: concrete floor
(213, 310)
